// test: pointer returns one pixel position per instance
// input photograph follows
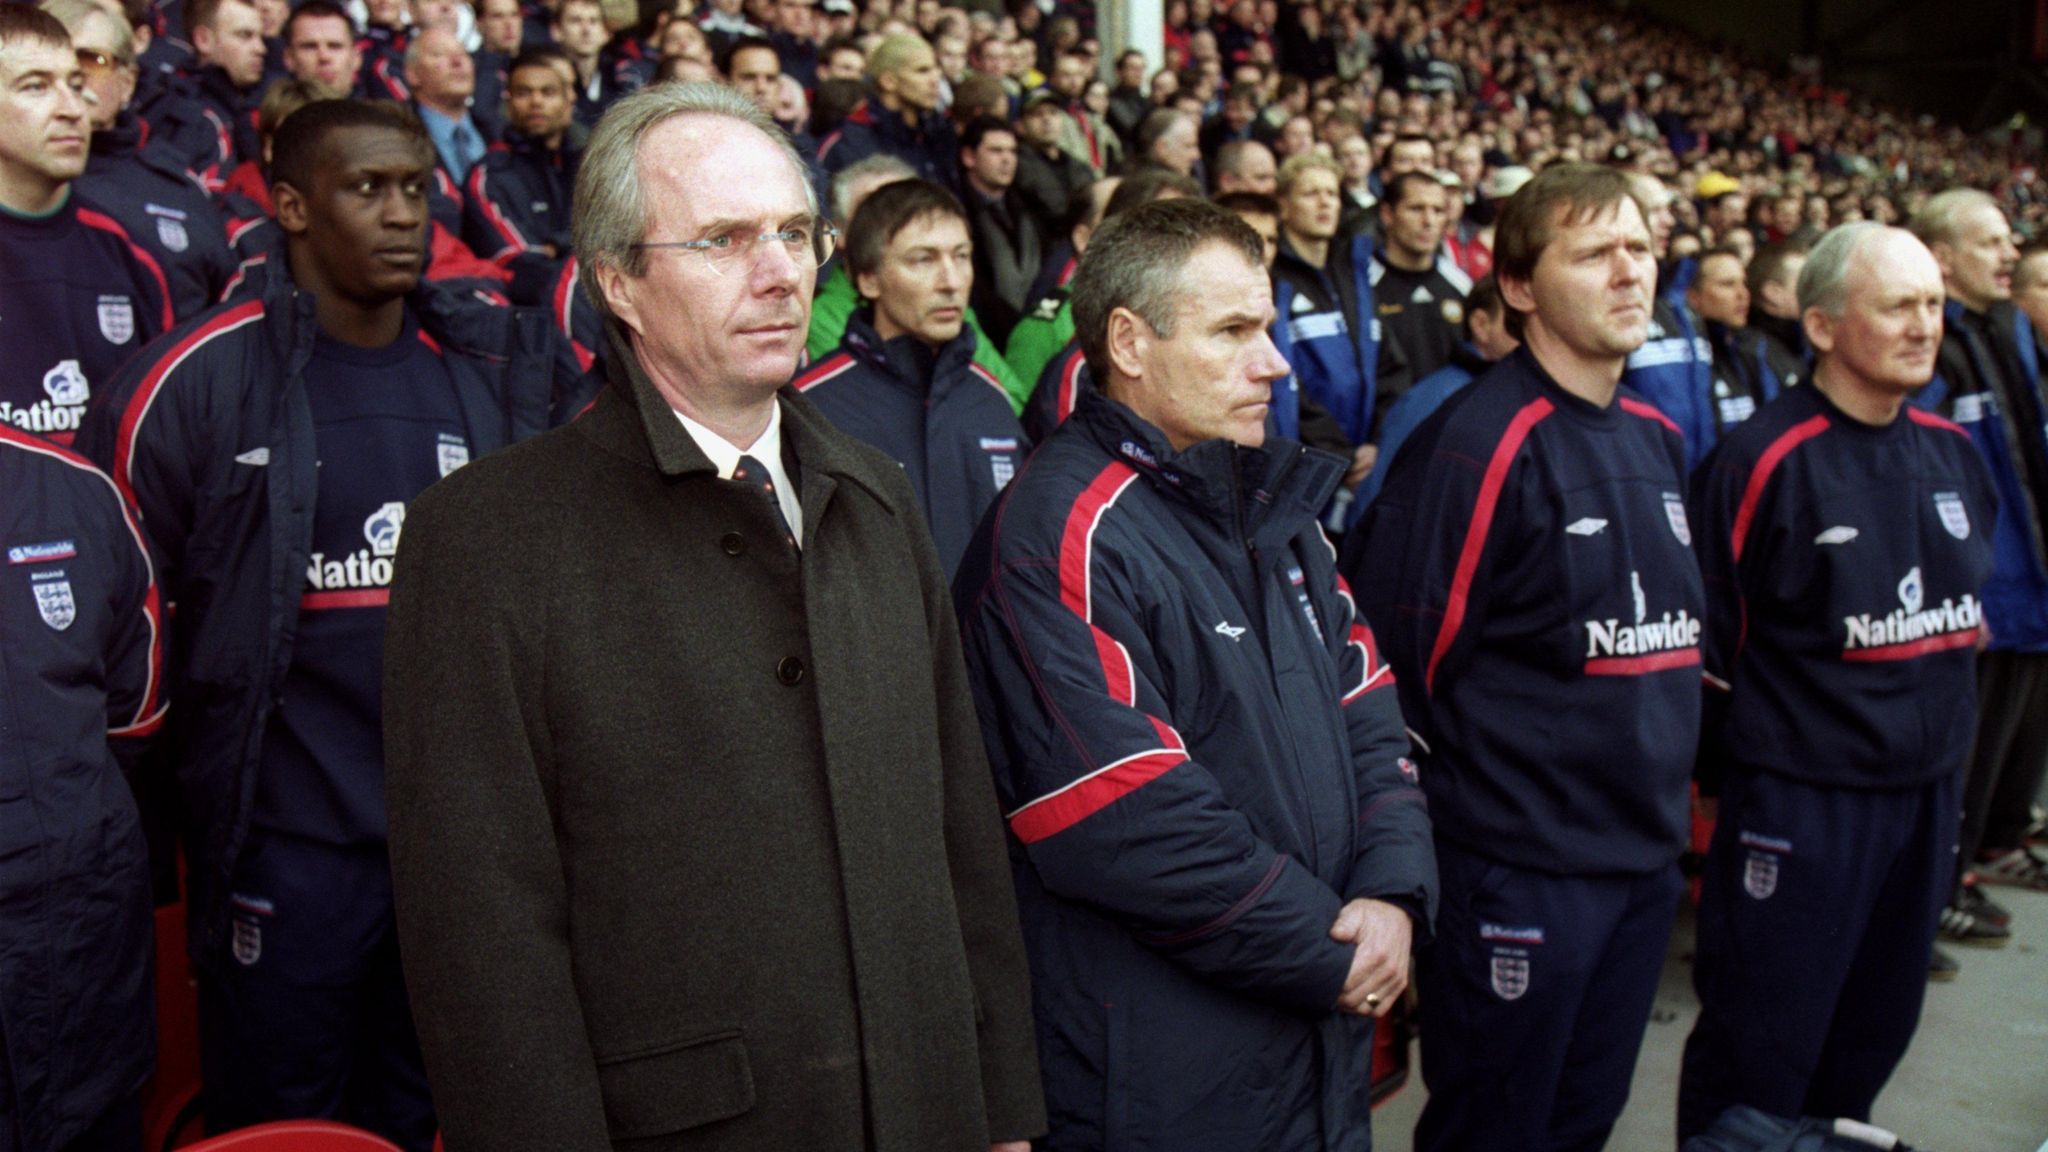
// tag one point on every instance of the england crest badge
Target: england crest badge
(54, 601)
(451, 453)
(172, 232)
(248, 941)
(1954, 516)
(1674, 514)
(117, 319)
(1510, 975)
(1760, 875)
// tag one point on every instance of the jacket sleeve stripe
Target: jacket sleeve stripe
(1372, 673)
(825, 370)
(1650, 412)
(1930, 420)
(153, 382)
(1070, 387)
(148, 712)
(1077, 544)
(1057, 811)
(105, 223)
(1753, 492)
(989, 379)
(1490, 487)
(514, 242)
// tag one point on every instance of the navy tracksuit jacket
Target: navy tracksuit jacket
(930, 148)
(81, 681)
(1843, 564)
(164, 209)
(518, 199)
(936, 412)
(1201, 761)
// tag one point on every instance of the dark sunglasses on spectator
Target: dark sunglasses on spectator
(99, 62)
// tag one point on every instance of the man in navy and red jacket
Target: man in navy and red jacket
(901, 118)
(77, 296)
(904, 378)
(1529, 568)
(272, 446)
(516, 212)
(81, 687)
(1844, 537)
(1220, 849)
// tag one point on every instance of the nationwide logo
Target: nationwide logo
(361, 579)
(1617, 649)
(42, 553)
(1912, 629)
(64, 408)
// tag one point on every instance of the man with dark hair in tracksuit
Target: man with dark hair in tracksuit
(80, 687)
(1843, 537)
(272, 447)
(1220, 850)
(904, 377)
(77, 296)
(1529, 568)
(516, 213)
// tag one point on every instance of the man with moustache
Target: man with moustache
(1529, 569)
(693, 836)
(1842, 535)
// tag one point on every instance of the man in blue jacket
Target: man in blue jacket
(1988, 379)
(901, 118)
(272, 446)
(904, 378)
(80, 689)
(1530, 568)
(1220, 847)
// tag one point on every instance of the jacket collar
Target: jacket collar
(634, 420)
(1268, 494)
(948, 368)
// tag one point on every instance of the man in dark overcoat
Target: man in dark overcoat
(694, 842)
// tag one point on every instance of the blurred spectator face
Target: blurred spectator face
(952, 54)
(1095, 97)
(1883, 210)
(580, 30)
(385, 13)
(757, 73)
(1886, 338)
(1656, 200)
(1268, 228)
(843, 64)
(1717, 291)
(1023, 58)
(1296, 137)
(685, 40)
(105, 57)
(1979, 262)
(915, 85)
(434, 14)
(794, 16)
(921, 286)
(537, 101)
(2030, 288)
(1786, 214)
(1130, 70)
(1468, 164)
(1309, 209)
(1744, 243)
(1410, 156)
(1179, 148)
(1490, 335)
(992, 166)
(502, 26)
(791, 105)
(1780, 297)
(1041, 125)
(234, 42)
(1725, 215)
(1817, 213)
(1355, 154)
(1591, 290)
(1254, 171)
(1202, 47)
(273, 14)
(1165, 86)
(1414, 228)
(439, 71)
(1069, 77)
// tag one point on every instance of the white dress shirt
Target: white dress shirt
(768, 450)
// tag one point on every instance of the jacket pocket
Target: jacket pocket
(656, 1091)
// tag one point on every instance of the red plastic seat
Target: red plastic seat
(295, 1136)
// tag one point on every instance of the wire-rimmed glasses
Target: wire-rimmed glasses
(810, 240)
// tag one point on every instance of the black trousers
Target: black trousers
(2009, 754)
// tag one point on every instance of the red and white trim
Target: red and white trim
(152, 383)
(829, 368)
(1490, 486)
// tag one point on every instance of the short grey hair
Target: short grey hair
(881, 167)
(1824, 281)
(610, 210)
(1941, 217)
(1136, 261)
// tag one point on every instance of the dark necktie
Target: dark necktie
(468, 149)
(754, 474)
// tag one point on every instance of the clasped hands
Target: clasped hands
(1381, 936)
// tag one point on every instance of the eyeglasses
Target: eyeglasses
(99, 63)
(811, 241)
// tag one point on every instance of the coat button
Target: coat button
(790, 671)
(733, 543)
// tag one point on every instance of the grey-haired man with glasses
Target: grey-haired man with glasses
(693, 837)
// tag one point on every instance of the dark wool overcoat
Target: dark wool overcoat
(694, 842)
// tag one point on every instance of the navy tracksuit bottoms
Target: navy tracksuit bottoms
(1534, 997)
(1817, 914)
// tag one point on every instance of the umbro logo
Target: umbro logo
(1840, 534)
(256, 456)
(1225, 629)
(1591, 525)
